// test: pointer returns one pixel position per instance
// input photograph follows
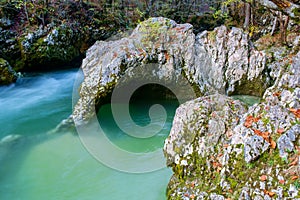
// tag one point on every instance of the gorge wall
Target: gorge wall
(218, 148)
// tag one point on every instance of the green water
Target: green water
(249, 100)
(39, 166)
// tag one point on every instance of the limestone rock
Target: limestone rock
(227, 63)
(199, 143)
(260, 159)
(221, 61)
(157, 40)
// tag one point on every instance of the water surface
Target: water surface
(39, 166)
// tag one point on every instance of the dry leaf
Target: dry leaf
(296, 112)
(273, 144)
(248, 121)
(280, 130)
(216, 164)
(263, 177)
(295, 161)
(294, 178)
(271, 194)
(276, 94)
(192, 184)
(281, 181)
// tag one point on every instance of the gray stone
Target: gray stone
(286, 141)
(254, 147)
(213, 62)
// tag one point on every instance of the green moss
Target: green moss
(212, 36)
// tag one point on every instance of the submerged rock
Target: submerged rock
(7, 74)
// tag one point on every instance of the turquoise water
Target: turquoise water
(38, 166)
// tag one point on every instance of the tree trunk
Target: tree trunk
(247, 15)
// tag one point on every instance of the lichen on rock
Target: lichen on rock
(260, 159)
(208, 63)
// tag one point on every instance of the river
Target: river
(36, 165)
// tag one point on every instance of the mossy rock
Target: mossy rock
(7, 74)
(59, 48)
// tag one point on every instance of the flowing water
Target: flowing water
(39, 166)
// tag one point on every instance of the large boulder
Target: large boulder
(7, 74)
(221, 61)
(226, 62)
(218, 150)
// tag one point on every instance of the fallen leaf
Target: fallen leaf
(248, 121)
(280, 130)
(271, 194)
(281, 181)
(294, 162)
(192, 184)
(167, 56)
(276, 94)
(263, 177)
(296, 112)
(294, 178)
(265, 135)
(216, 164)
(273, 144)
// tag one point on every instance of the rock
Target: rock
(158, 40)
(48, 48)
(219, 61)
(7, 74)
(195, 139)
(254, 147)
(7, 144)
(227, 63)
(263, 142)
(286, 141)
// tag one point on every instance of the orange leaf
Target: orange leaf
(295, 162)
(271, 194)
(296, 112)
(280, 130)
(248, 121)
(256, 119)
(192, 184)
(216, 164)
(263, 177)
(257, 132)
(294, 177)
(273, 144)
(276, 94)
